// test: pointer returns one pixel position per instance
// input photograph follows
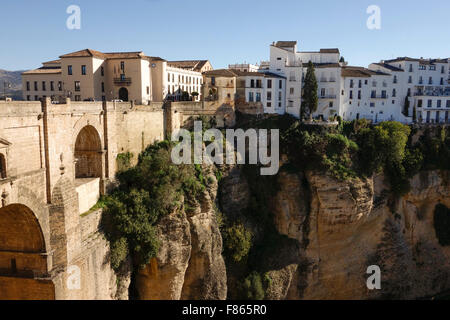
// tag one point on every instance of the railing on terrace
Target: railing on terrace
(122, 81)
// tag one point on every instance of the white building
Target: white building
(269, 89)
(377, 93)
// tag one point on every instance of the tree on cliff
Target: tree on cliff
(310, 98)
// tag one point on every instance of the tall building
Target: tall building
(88, 75)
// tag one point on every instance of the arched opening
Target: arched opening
(88, 154)
(123, 94)
(23, 258)
(2, 166)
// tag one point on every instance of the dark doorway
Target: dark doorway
(123, 94)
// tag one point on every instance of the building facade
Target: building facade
(90, 75)
(378, 93)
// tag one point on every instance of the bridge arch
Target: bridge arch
(88, 153)
(23, 259)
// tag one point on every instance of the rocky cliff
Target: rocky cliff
(189, 264)
(338, 229)
(344, 227)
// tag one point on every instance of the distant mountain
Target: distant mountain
(15, 79)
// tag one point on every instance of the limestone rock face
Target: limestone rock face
(163, 278)
(345, 227)
(189, 264)
(205, 277)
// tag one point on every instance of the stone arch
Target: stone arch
(24, 270)
(88, 153)
(20, 230)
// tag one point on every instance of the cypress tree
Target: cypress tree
(310, 98)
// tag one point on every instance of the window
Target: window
(280, 84)
(442, 69)
(252, 83)
(258, 84)
(291, 91)
(278, 58)
(52, 86)
(36, 98)
(28, 98)
(410, 68)
(269, 104)
(83, 70)
(394, 93)
(430, 80)
(69, 70)
(258, 97)
(269, 84)
(122, 65)
(373, 94)
(103, 87)
(351, 83)
(279, 96)
(419, 103)
(103, 98)
(372, 104)
(374, 83)
(2, 166)
(35, 86)
(395, 79)
(448, 104)
(102, 71)
(422, 67)
(122, 77)
(250, 97)
(439, 103)
(384, 94)
(43, 86)
(28, 85)
(430, 103)
(269, 95)
(148, 90)
(420, 80)
(442, 81)
(351, 94)
(359, 94)
(77, 98)
(410, 79)
(59, 85)
(433, 68)
(366, 82)
(77, 86)
(360, 84)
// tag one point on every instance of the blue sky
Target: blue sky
(225, 31)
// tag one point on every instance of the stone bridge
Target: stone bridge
(55, 162)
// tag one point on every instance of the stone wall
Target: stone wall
(38, 142)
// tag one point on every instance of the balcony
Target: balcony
(122, 81)
(433, 93)
(328, 96)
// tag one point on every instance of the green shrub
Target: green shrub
(152, 189)
(252, 287)
(124, 161)
(238, 241)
